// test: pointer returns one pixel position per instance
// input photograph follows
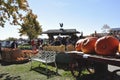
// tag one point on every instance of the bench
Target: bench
(45, 57)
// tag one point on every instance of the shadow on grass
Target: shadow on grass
(90, 77)
(7, 76)
(4, 63)
(109, 76)
(49, 73)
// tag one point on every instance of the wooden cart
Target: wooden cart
(98, 63)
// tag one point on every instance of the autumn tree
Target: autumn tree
(17, 12)
(30, 26)
(105, 28)
(12, 11)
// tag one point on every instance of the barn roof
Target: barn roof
(61, 31)
(115, 29)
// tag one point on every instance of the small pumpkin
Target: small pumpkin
(107, 45)
(78, 44)
(88, 45)
(35, 51)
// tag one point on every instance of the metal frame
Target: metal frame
(45, 57)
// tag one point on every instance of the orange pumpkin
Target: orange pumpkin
(16, 53)
(78, 44)
(119, 48)
(88, 45)
(107, 45)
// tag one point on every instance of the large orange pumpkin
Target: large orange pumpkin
(78, 44)
(107, 45)
(119, 48)
(88, 45)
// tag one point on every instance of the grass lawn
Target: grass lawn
(22, 72)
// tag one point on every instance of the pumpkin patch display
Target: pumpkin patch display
(88, 45)
(16, 53)
(107, 45)
(78, 44)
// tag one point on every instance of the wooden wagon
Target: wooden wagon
(95, 64)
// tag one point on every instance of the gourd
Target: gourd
(119, 48)
(78, 44)
(107, 45)
(88, 45)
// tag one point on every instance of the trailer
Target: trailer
(97, 65)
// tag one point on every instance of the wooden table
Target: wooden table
(97, 62)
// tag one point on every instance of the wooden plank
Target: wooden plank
(113, 60)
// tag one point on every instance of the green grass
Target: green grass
(25, 46)
(22, 72)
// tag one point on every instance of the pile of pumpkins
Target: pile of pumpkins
(106, 45)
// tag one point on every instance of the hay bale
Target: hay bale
(70, 47)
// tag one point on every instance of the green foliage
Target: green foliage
(17, 12)
(25, 47)
(11, 10)
(11, 39)
(31, 26)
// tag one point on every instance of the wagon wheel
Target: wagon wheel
(75, 69)
(89, 67)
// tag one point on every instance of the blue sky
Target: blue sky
(82, 15)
